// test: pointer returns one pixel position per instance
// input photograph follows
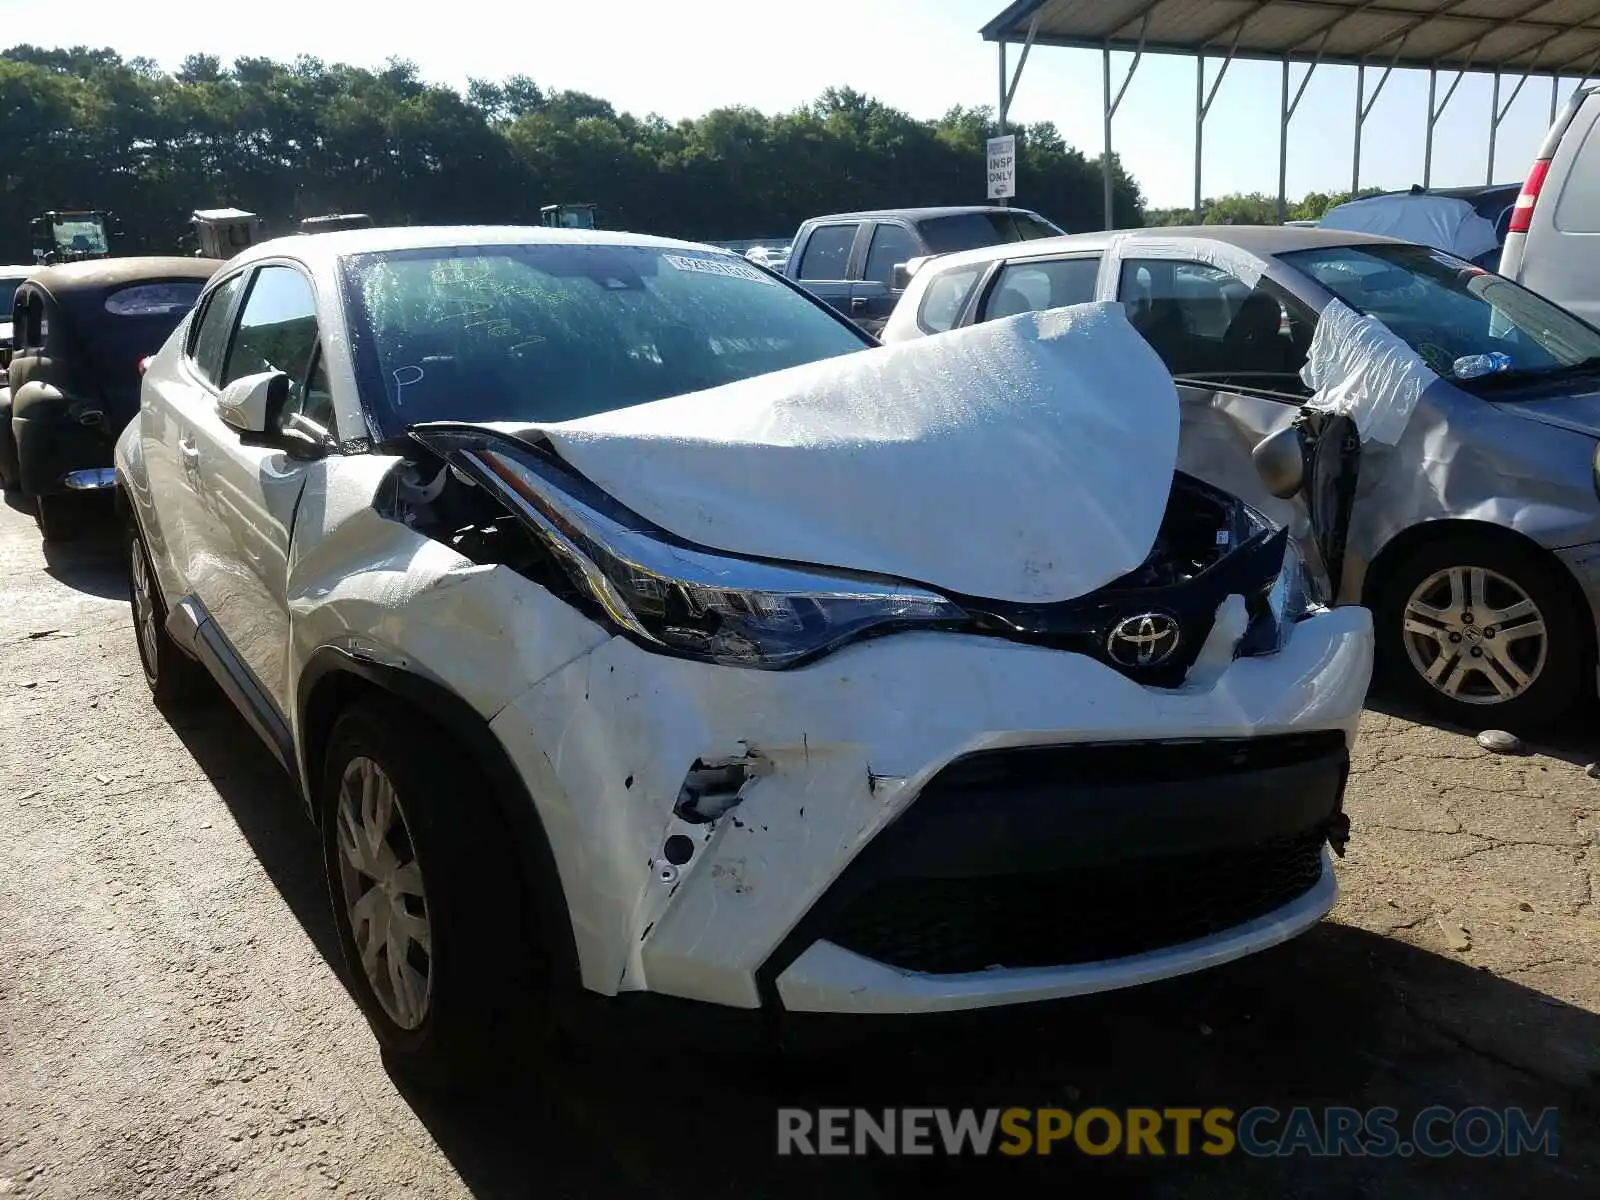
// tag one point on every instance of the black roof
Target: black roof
(921, 214)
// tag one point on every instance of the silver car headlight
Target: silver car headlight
(682, 599)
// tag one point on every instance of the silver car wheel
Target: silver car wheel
(383, 894)
(144, 608)
(1475, 635)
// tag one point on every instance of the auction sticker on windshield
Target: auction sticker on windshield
(716, 266)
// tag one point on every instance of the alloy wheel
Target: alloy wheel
(1475, 635)
(384, 899)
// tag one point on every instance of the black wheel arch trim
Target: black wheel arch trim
(544, 896)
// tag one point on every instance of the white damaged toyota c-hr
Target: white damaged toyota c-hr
(635, 626)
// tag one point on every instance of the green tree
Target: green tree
(86, 128)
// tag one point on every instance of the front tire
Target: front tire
(1482, 633)
(10, 468)
(426, 900)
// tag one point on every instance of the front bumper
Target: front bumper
(745, 910)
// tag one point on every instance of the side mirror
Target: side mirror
(1281, 463)
(254, 404)
(902, 277)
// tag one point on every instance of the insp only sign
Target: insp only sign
(1003, 167)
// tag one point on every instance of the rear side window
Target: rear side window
(154, 299)
(210, 339)
(1035, 286)
(827, 253)
(28, 325)
(1578, 208)
(891, 244)
(946, 296)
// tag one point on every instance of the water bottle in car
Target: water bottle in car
(1472, 366)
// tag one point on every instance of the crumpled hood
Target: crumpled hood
(1026, 460)
(1580, 414)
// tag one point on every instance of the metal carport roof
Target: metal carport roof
(1521, 38)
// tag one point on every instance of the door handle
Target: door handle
(858, 304)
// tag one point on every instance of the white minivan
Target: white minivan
(1553, 241)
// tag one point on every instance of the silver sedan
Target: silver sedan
(1472, 523)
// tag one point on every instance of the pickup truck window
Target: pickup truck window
(891, 244)
(968, 231)
(827, 253)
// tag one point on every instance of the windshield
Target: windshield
(1453, 314)
(80, 235)
(968, 231)
(8, 296)
(553, 332)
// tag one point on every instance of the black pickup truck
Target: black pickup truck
(849, 259)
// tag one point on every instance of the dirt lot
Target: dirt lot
(171, 1024)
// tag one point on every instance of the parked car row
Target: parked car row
(639, 631)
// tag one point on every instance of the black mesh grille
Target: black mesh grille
(1056, 918)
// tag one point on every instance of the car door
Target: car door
(175, 394)
(247, 494)
(873, 297)
(826, 256)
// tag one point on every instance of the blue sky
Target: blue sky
(682, 57)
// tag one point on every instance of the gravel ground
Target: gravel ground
(172, 1024)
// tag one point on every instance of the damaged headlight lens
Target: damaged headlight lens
(1295, 593)
(679, 598)
(1293, 596)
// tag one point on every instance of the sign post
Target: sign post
(1003, 167)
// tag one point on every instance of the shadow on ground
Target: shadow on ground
(92, 564)
(1574, 738)
(1338, 1017)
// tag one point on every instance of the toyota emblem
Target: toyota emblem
(1146, 640)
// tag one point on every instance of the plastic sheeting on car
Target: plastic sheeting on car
(1442, 222)
(1027, 459)
(1358, 367)
(1241, 264)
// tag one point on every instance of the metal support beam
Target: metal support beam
(1286, 110)
(1202, 106)
(1008, 86)
(1364, 110)
(1110, 106)
(1497, 114)
(1435, 113)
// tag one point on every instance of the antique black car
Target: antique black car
(80, 332)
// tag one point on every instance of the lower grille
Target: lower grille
(1075, 915)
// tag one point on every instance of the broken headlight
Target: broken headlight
(1295, 594)
(676, 597)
